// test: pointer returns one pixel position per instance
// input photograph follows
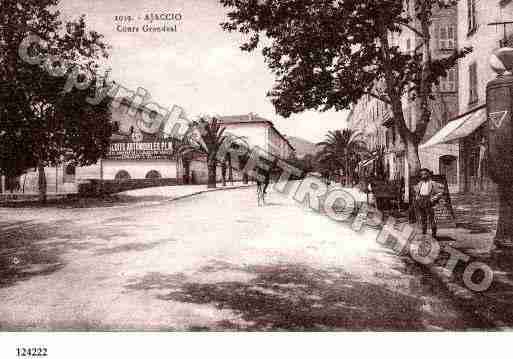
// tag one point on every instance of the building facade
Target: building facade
(260, 132)
(139, 149)
(483, 26)
(474, 19)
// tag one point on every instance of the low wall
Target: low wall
(94, 187)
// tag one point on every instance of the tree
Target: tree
(343, 149)
(183, 151)
(210, 139)
(328, 54)
(223, 172)
(242, 161)
(379, 155)
(40, 107)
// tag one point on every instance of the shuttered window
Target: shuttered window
(448, 83)
(472, 70)
(471, 15)
(446, 37)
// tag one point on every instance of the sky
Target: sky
(200, 67)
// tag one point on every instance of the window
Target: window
(69, 174)
(446, 37)
(448, 83)
(472, 69)
(153, 175)
(471, 14)
(122, 175)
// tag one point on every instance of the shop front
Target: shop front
(467, 166)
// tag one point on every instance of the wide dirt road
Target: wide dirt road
(215, 261)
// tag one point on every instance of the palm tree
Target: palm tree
(183, 150)
(207, 140)
(343, 150)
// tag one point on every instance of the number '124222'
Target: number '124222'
(32, 352)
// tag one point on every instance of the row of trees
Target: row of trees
(45, 117)
(205, 138)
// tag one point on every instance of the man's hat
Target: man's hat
(425, 170)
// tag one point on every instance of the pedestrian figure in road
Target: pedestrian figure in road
(262, 184)
(427, 194)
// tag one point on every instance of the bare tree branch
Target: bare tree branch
(378, 97)
(408, 26)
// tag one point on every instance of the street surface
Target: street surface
(215, 261)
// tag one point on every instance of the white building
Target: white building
(258, 131)
(142, 150)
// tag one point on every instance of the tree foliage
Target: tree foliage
(44, 118)
(343, 150)
(327, 54)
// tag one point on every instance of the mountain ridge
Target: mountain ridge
(302, 146)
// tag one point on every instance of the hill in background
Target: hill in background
(302, 146)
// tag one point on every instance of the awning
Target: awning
(458, 128)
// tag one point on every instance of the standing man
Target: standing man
(427, 194)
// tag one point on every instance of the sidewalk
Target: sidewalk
(476, 222)
(180, 191)
(144, 196)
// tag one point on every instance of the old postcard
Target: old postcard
(255, 165)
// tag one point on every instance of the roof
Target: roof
(140, 107)
(251, 118)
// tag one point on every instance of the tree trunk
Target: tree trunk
(223, 173)
(186, 172)
(504, 235)
(412, 153)
(230, 169)
(212, 172)
(41, 182)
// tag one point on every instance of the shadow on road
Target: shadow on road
(293, 297)
(21, 254)
(130, 247)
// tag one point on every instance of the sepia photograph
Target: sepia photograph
(255, 166)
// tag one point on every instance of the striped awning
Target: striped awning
(458, 128)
